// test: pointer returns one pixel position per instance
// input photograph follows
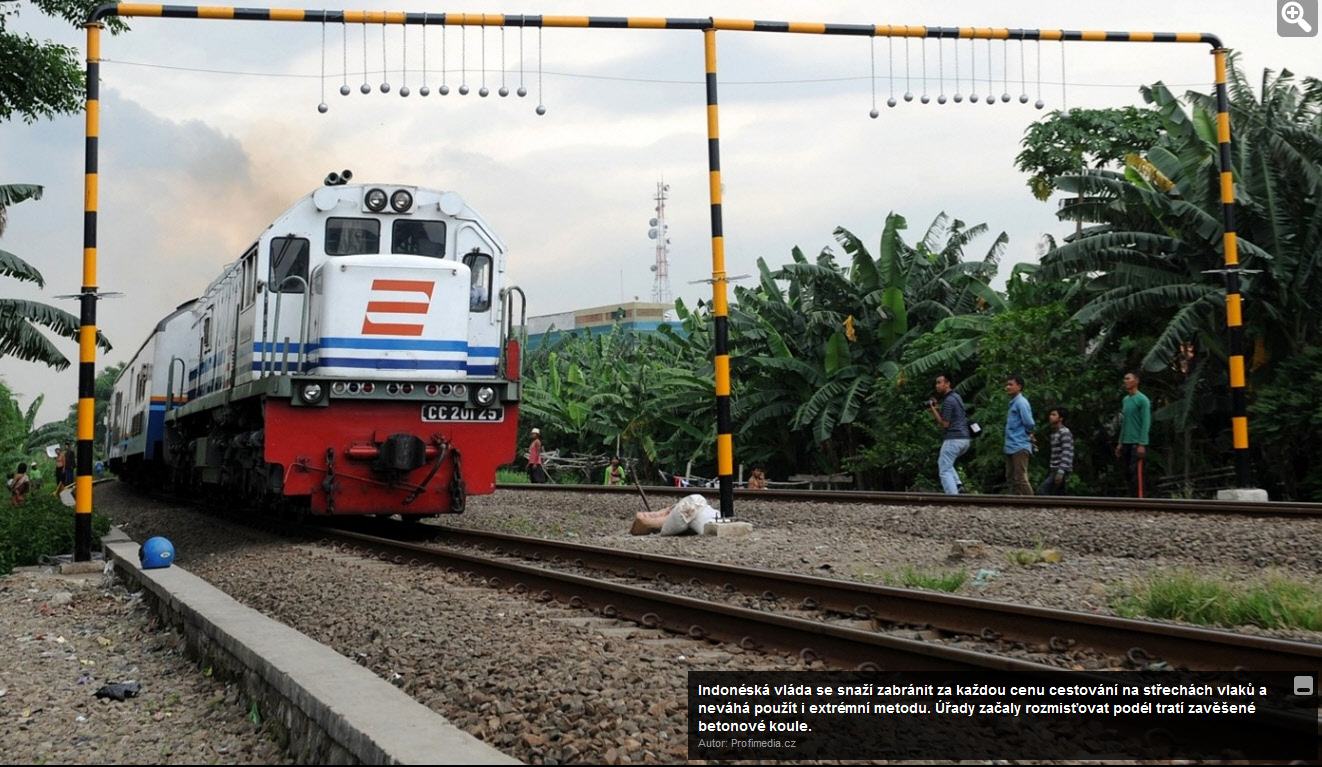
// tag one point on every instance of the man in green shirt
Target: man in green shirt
(1135, 421)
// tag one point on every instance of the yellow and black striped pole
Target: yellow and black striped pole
(719, 304)
(82, 503)
(1239, 418)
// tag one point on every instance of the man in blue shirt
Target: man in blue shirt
(1018, 437)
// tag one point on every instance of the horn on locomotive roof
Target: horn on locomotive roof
(339, 179)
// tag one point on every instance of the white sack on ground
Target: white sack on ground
(690, 515)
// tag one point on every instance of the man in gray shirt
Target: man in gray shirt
(955, 438)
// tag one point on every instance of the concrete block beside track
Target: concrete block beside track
(332, 710)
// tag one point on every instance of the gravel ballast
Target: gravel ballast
(63, 638)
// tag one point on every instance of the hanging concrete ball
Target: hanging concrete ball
(365, 88)
(503, 91)
(424, 91)
(925, 99)
(973, 98)
(483, 91)
(908, 96)
(1005, 98)
(873, 114)
(941, 99)
(959, 97)
(991, 100)
(890, 102)
(444, 90)
(1023, 98)
(385, 87)
(463, 90)
(344, 90)
(1040, 103)
(541, 109)
(323, 107)
(404, 91)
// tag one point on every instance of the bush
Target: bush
(42, 526)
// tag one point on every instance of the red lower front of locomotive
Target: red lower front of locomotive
(380, 457)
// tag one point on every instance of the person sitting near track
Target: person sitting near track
(19, 485)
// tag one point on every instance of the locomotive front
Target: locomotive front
(358, 360)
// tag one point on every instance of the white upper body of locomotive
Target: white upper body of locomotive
(373, 281)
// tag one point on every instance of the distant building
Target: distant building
(639, 316)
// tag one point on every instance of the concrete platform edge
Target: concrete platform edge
(327, 708)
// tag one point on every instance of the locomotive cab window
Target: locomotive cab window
(289, 258)
(479, 289)
(418, 238)
(352, 236)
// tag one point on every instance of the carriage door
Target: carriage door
(243, 355)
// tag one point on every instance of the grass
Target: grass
(913, 578)
(937, 580)
(43, 525)
(1272, 603)
(512, 477)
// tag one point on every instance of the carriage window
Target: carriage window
(352, 236)
(479, 290)
(418, 238)
(289, 258)
(250, 276)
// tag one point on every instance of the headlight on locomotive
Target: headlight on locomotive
(401, 201)
(311, 393)
(375, 200)
(485, 396)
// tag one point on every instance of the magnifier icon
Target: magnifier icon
(1293, 13)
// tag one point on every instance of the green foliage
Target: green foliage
(41, 526)
(41, 79)
(1045, 347)
(1274, 603)
(19, 319)
(1287, 421)
(1066, 142)
(1147, 265)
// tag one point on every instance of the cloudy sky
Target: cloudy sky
(210, 129)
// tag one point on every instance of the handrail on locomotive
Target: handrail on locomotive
(302, 330)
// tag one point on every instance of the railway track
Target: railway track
(1142, 642)
(1154, 505)
(841, 646)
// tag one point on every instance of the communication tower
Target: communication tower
(660, 232)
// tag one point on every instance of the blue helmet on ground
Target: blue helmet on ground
(155, 553)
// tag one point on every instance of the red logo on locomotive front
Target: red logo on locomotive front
(392, 290)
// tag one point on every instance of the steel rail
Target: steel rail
(837, 646)
(1191, 647)
(894, 498)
